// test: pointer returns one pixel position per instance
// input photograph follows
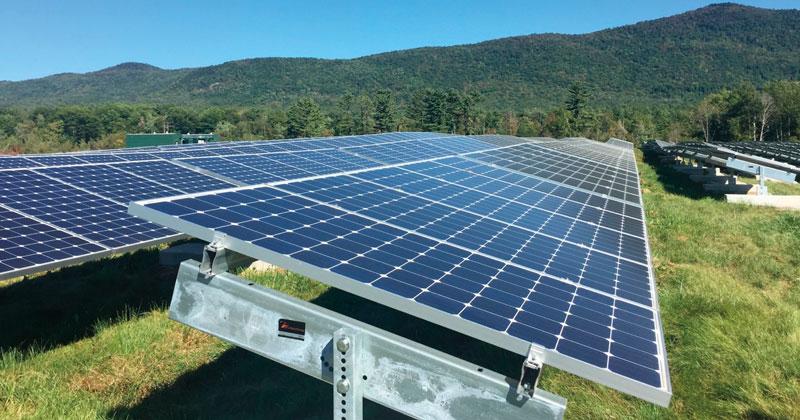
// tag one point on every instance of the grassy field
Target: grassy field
(94, 341)
(774, 187)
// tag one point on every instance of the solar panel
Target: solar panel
(280, 166)
(133, 157)
(87, 215)
(232, 170)
(30, 245)
(56, 160)
(782, 151)
(513, 242)
(108, 182)
(502, 250)
(595, 151)
(174, 176)
(564, 168)
(99, 158)
(16, 162)
(620, 143)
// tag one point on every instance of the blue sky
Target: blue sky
(38, 38)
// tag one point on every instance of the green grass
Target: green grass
(94, 341)
(774, 187)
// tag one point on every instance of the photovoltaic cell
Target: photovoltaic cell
(338, 160)
(276, 166)
(595, 151)
(230, 169)
(135, 157)
(99, 158)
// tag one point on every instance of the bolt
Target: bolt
(343, 344)
(342, 386)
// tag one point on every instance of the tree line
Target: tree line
(740, 113)
(746, 113)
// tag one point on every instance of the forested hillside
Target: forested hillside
(674, 60)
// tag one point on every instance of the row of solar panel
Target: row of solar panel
(525, 257)
(202, 150)
(84, 194)
(541, 242)
(597, 152)
(787, 152)
(88, 198)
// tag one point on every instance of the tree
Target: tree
(510, 124)
(556, 124)
(365, 111)
(707, 113)
(467, 112)
(305, 119)
(385, 111)
(578, 98)
(767, 111)
(429, 109)
(743, 112)
(344, 118)
(786, 95)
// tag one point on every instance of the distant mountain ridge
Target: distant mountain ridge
(669, 60)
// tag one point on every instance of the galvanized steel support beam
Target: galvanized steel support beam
(359, 360)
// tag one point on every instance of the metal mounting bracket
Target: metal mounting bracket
(218, 259)
(531, 372)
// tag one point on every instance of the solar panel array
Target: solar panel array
(787, 152)
(85, 195)
(514, 242)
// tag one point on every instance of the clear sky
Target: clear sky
(39, 37)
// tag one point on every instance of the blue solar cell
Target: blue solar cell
(135, 157)
(590, 175)
(282, 166)
(339, 160)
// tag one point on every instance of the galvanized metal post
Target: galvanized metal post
(762, 182)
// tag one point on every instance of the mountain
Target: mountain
(669, 60)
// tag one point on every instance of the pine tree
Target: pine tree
(305, 119)
(344, 118)
(385, 111)
(576, 104)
